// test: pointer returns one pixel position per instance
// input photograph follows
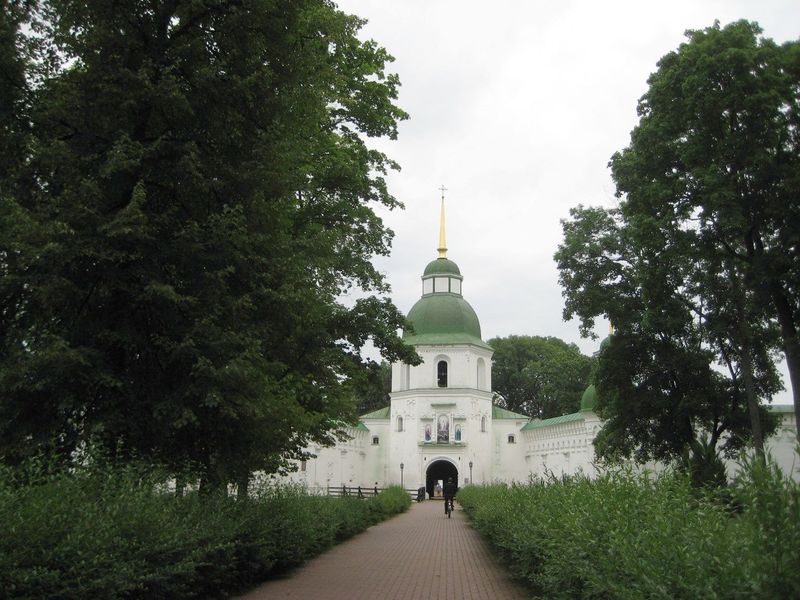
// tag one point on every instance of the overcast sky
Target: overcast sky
(516, 108)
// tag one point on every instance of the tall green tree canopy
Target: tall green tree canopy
(193, 196)
(539, 376)
(699, 263)
(372, 391)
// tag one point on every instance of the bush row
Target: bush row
(115, 533)
(633, 536)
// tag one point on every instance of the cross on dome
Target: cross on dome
(442, 244)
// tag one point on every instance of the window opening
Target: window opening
(441, 373)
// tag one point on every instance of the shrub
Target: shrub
(391, 501)
(640, 536)
(112, 532)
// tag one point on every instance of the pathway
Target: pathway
(419, 555)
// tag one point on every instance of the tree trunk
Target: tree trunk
(211, 481)
(791, 345)
(752, 402)
(180, 485)
(745, 343)
(242, 485)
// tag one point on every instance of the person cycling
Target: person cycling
(450, 489)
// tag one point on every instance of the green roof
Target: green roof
(442, 266)
(446, 319)
(339, 424)
(589, 398)
(502, 413)
(571, 418)
(381, 413)
(781, 408)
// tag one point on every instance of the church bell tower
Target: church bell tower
(442, 409)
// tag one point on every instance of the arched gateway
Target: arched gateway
(439, 470)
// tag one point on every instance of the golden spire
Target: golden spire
(442, 245)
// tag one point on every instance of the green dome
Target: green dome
(443, 319)
(589, 398)
(442, 266)
(605, 343)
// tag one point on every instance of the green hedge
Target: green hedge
(110, 533)
(633, 537)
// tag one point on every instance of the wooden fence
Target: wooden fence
(361, 492)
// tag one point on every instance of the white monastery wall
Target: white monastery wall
(506, 457)
(783, 445)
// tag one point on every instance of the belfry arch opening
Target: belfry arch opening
(441, 373)
(439, 470)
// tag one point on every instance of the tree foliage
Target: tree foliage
(194, 197)
(372, 391)
(699, 263)
(539, 376)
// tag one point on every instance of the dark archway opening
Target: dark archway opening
(439, 470)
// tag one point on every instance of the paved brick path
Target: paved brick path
(419, 555)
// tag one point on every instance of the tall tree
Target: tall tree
(659, 392)
(717, 151)
(195, 200)
(708, 192)
(13, 64)
(539, 376)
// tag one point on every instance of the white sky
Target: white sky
(516, 107)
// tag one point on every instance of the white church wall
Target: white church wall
(459, 406)
(507, 453)
(562, 448)
(462, 368)
(376, 459)
(480, 441)
(400, 376)
(592, 428)
(781, 446)
(359, 461)
(569, 449)
(341, 464)
(403, 443)
(457, 412)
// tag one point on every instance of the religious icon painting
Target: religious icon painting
(443, 429)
